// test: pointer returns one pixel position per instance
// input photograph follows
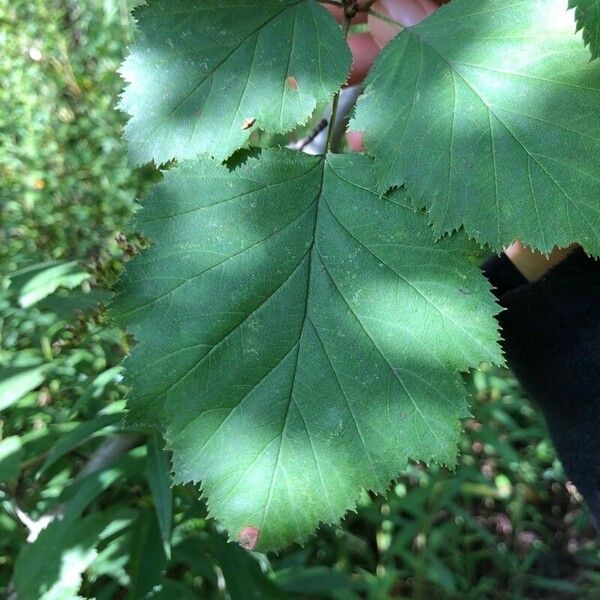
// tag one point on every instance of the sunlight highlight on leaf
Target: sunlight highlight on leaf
(299, 337)
(201, 74)
(488, 113)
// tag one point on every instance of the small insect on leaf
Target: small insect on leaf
(248, 537)
(292, 82)
(248, 123)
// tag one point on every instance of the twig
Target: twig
(366, 5)
(336, 98)
(315, 142)
(322, 126)
(386, 18)
(109, 450)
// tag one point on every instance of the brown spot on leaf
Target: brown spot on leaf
(292, 82)
(248, 123)
(248, 537)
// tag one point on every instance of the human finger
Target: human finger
(364, 51)
(406, 12)
(355, 140)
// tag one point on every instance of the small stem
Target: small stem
(379, 15)
(336, 98)
(366, 5)
(323, 124)
(334, 107)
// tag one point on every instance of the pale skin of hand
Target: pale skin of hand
(365, 48)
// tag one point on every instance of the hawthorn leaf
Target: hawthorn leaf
(489, 113)
(203, 75)
(587, 15)
(299, 337)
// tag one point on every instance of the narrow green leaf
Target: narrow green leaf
(587, 15)
(51, 567)
(148, 562)
(313, 580)
(36, 282)
(203, 75)
(244, 578)
(489, 113)
(157, 469)
(82, 492)
(176, 589)
(299, 337)
(11, 453)
(79, 435)
(16, 383)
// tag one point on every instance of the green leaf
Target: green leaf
(587, 15)
(19, 382)
(203, 75)
(38, 281)
(313, 580)
(115, 550)
(11, 454)
(84, 490)
(243, 576)
(300, 337)
(148, 563)
(51, 567)
(157, 469)
(488, 112)
(70, 441)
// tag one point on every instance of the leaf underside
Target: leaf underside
(203, 75)
(488, 113)
(587, 15)
(299, 336)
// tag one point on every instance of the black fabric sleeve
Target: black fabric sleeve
(551, 331)
(502, 274)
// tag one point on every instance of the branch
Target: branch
(316, 142)
(366, 5)
(383, 17)
(109, 450)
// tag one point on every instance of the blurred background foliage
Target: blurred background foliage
(505, 524)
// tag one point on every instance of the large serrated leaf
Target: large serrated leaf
(489, 113)
(300, 337)
(587, 15)
(203, 75)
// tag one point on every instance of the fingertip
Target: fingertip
(407, 12)
(364, 51)
(355, 140)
